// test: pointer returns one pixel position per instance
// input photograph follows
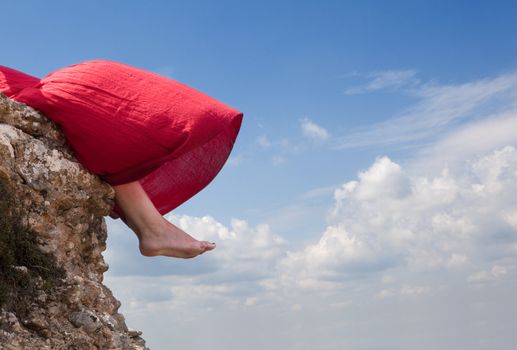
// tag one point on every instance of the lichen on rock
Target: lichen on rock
(52, 235)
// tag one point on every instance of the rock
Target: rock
(52, 235)
(10, 321)
(134, 333)
(86, 319)
(22, 269)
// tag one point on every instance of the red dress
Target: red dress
(127, 124)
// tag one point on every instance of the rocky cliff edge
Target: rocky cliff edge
(52, 234)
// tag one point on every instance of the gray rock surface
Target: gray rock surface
(61, 207)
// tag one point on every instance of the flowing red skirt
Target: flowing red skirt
(127, 124)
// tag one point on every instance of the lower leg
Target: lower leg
(156, 235)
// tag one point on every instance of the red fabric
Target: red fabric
(126, 124)
(13, 81)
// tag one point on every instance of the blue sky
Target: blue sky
(368, 201)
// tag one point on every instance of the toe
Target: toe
(208, 245)
(200, 247)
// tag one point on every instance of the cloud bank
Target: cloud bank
(389, 218)
(395, 238)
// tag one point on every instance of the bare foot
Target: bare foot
(169, 240)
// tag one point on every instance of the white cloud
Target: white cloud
(403, 292)
(280, 149)
(235, 160)
(318, 192)
(414, 290)
(439, 107)
(264, 141)
(384, 178)
(313, 130)
(278, 159)
(475, 138)
(389, 218)
(511, 218)
(484, 276)
(457, 260)
(385, 80)
(243, 252)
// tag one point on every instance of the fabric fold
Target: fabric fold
(127, 124)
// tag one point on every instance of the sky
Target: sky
(369, 200)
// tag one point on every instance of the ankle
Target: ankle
(152, 230)
(148, 247)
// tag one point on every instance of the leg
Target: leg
(157, 236)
